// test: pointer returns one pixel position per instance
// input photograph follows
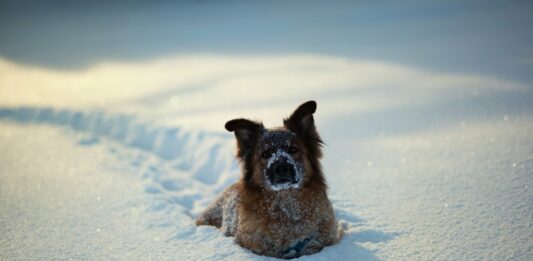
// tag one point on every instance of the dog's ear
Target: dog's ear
(301, 121)
(246, 132)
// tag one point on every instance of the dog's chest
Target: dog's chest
(286, 208)
(288, 225)
(288, 216)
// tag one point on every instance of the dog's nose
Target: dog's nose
(281, 169)
(281, 172)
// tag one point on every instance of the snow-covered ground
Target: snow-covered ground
(116, 160)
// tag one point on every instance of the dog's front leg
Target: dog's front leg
(212, 216)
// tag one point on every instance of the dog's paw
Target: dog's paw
(290, 253)
(313, 246)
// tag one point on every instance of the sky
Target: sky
(492, 38)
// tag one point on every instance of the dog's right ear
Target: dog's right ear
(246, 132)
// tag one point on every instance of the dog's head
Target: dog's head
(281, 158)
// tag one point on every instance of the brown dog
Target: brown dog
(280, 206)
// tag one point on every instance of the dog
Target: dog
(280, 206)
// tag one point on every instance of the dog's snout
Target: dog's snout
(281, 172)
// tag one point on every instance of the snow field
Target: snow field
(421, 165)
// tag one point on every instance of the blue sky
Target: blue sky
(482, 37)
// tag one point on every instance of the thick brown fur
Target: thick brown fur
(283, 223)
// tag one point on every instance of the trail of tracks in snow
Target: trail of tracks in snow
(189, 163)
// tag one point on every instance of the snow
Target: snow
(117, 160)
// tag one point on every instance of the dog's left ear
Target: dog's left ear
(301, 121)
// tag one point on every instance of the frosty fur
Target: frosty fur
(284, 221)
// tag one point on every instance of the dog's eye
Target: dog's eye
(292, 150)
(266, 154)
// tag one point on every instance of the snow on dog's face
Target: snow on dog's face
(280, 160)
(283, 158)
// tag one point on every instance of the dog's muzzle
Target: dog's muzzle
(281, 172)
